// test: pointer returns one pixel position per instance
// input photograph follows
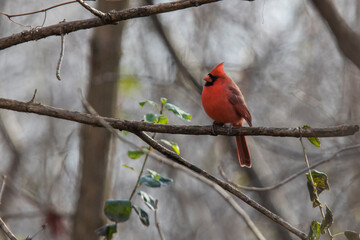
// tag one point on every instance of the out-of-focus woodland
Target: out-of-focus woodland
(282, 54)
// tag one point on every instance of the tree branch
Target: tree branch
(346, 39)
(113, 17)
(135, 126)
(178, 159)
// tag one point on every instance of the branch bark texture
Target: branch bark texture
(112, 17)
(135, 126)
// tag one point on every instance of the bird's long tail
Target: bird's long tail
(243, 151)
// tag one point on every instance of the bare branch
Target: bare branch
(94, 11)
(2, 187)
(133, 126)
(346, 39)
(178, 159)
(62, 49)
(112, 18)
(6, 230)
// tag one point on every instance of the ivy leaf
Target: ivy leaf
(314, 233)
(320, 180)
(320, 183)
(162, 119)
(174, 145)
(351, 235)
(163, 100)
(147, 180)
(314, 140)
(126, 166)
(178, 112)
(117, 210)
(148, 200)
(156, 118)
(107, 231)
(135, 154)
(327, 221)
(144, 217)
(154, 179)
(152, 103)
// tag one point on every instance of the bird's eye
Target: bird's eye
(213, 78)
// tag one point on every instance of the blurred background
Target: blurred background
(280, 53)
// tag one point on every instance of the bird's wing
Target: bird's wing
(237, 100)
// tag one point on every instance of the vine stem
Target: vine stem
(145, 160)
(312, 182)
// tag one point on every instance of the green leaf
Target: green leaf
(147, 180)
(148, 200)
(107, 231)
(178, 112)
(152, 103)
(135, 154)
(118, 210)
(313, 197)
(351, 235)
(125, 132)
(320, 183)
(156, 118)
(151, 117)
(320, 180)
(154, 174)
(314, 140)
(144, 217)
(162, 119)
(174, 145)
(154, 179)
(131, 168)
(163, 100)
(314, 233)
(327, 221)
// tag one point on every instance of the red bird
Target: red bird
(224, 103)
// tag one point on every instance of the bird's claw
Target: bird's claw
(213, 130)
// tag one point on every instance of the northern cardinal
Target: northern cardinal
(224, 103)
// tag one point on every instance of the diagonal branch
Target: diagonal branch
(113, 17)
(134, 126)
(178, 159)
(347, 39)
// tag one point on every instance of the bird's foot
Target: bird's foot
(213, 130)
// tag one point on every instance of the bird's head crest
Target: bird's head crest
(218, 71)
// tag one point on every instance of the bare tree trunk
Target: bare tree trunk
(104, 68)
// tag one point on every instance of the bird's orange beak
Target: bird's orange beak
(207, 78)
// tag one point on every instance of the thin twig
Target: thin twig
(94, 11)
(157, 224)
(134, 126)
(6, 230)
(2, 187)
(33, 97)
(62, 49)
(288, 179)
(38, 11)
